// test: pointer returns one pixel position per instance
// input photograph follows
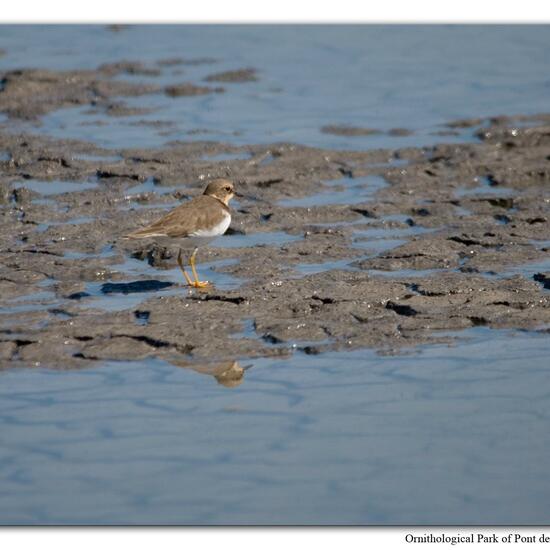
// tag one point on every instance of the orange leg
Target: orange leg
(196, 283)
(180, 263)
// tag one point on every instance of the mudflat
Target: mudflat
(328, 249)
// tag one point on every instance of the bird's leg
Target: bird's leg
(197, 283)
(180, 263)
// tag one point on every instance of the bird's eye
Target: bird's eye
(227, 188)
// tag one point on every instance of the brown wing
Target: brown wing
(202, 211)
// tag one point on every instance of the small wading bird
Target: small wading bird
(194, 223)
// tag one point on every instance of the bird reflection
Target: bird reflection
(227, 373)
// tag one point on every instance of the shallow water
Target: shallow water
(376, 233)
(355, 191)
(39, 301)
(135, 289)
(42, 227)
(309, 77)
(272, 238)
(349, 438)
(484, 187)
(55, 187)
(527, 270)
(149, 186)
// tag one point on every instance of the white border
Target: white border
(291, 11)
(256, 538)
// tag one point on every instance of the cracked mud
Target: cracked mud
(327, 249)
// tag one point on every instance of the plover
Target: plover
(194, 223)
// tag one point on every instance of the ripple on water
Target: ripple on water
(332, 428)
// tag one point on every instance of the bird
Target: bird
(194, 223)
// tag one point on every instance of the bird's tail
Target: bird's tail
(143, 234)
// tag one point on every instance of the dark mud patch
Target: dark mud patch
(343, 130)
(400, 132)
(128, 67)
(238, 75)
(175, 61)
(187, 89)
(543, 278)
(135, 286)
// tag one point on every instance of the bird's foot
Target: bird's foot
(200, 284)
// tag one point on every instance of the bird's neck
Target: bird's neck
(224, 201)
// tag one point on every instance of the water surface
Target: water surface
(443, 435)
(417, 77)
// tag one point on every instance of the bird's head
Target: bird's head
(221, 189)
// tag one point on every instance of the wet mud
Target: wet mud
(239, 75)
(327, 249)
(30, 93)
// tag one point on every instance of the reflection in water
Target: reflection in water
(227, 373)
